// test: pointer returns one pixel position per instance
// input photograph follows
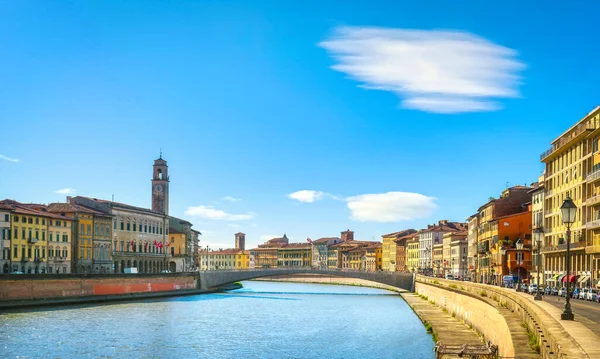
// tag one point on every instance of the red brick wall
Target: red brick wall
(26, 289)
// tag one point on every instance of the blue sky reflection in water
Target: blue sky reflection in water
(263, 320)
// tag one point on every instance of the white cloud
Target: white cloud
(390, 206)
(231, 199)
(212, 213)
(441, 71)
(307, 196)
(66, 191)
(9, 159)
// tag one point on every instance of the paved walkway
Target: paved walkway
(582, 335)
(449, 330)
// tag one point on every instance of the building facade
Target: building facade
(5, 235)
(320, 251)
(472, 231)
(572, 168)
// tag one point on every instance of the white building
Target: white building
(458, 256)
(473, 227)
(319, 251)
(430, 236)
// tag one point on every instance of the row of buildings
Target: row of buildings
(90, 235)
(521, 232)
(344, 253)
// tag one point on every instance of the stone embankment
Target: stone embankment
(529, 324)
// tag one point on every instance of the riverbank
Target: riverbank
(100, 299)
(321, 279)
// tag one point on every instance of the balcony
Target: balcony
(576, 133)
(563, 247)
(32, 240)
(592, 200)
(141, 254)
(593, 176)
(593, 224)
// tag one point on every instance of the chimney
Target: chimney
(68, 199)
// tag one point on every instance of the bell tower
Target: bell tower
(160, 186)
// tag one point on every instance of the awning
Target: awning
(561, 277)
(556, 276)
(572, 279)
(551, 280)
(583, 279)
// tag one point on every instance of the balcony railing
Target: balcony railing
(593, 176)
(140, 254)
(592, 200)
(563, 247)
(593, 224)
(578, 130)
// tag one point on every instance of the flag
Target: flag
(309, 240)
(146, 245)
(168, 244)
(132, 245)
(155, 244)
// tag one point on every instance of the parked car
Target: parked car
(532, 288)
(547, 290)
(583, 293)
(562, 292)
(554, 291)
(16, 272)
(575, 293)
(524, 287)
(165, 271)
(592, 295)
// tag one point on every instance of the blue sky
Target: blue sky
(396, 113)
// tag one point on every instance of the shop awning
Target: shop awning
(556, 276)
(572, 279)
(583, 279)
(560, 277)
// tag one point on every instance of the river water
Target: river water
(262, 320)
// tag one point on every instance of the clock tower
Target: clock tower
(160, 186)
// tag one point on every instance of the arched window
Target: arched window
(159, 174)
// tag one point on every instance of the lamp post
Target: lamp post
(568, 210)
(519, 244)
(538, 233)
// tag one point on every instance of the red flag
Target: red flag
(309, 240)
(132, 245)
(168, 244)
(160, 245)
(155, 245)
(145, 245)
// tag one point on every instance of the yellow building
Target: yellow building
(29, 237)
(412, 254)
(296, 255)
(379, 257)
(573, 169)
(242, 259)
(389, 249)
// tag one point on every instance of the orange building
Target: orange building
(511, 228)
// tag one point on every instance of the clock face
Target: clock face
(158, 188)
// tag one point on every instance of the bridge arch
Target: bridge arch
(213, 279)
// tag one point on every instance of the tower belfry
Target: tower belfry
(160, 186)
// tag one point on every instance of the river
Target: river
(261, 320)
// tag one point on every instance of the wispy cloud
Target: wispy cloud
(231, 199)
(307, 196)
(66, 191)
(440, 71)
(209, 212)
(9, 159)
(390, 206)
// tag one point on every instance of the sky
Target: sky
(306, 118)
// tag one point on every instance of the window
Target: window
(15, 250)
(134, 227)
(23, 219)
(16, 219)
(16, 233)
(128, 226)
(29, 252)
(50, 237)
(122, 225)
(37, 221)
(96, 229)
(43, 236)
(6, 218)
(82, 228)
(89, 229)
(57, 223)
(115, 224)
(43, 222)
(43, 252)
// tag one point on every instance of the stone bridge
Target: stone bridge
(212, 279)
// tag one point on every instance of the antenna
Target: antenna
(160, 157)
(507, 183)
(113, 198)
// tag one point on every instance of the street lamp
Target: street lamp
(568, 210)
(519, 244)
(502, 253)
(538, 233)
